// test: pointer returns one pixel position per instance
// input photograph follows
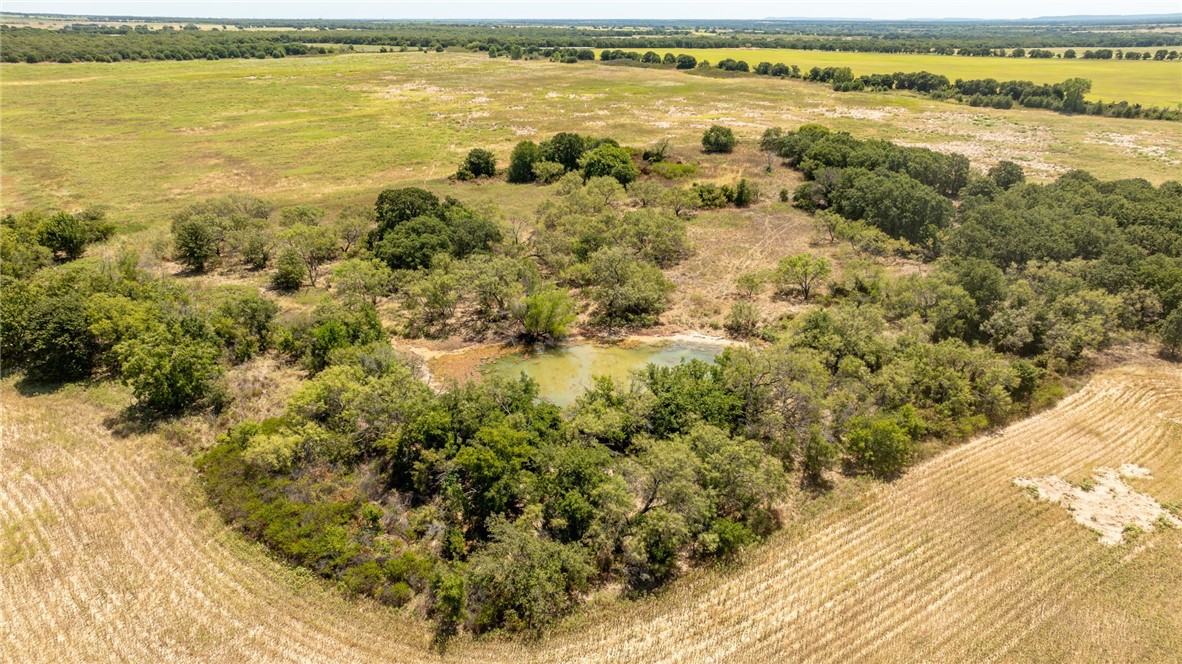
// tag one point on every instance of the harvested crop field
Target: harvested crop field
(110, 553)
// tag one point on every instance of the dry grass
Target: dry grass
(110, 553)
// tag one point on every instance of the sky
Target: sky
(594, 9)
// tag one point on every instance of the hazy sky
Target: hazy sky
(595, 9)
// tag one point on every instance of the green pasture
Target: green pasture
(1148, 82)
(146, 138)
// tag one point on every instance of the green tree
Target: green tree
(773, 137)
(168, 371)
(242, 321)
(1007, 174)
(58, 344)
(609, 161)
(395, 206)
(878, 445)
(522, 580)
(626, 290)
(521, 162)
(413, 244)
(65, 234)
(1171, 331)
(479, 163)
(545, 314)
(289, 272)
(743, 320)
(1074, 90)
(315, 245)
(566, 149)
(363, 278)
(718, 139)
(817, 456)
(802, 272)
(195, 241)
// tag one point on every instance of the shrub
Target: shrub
(743, 320)
(64, 234)
(746, 193)
(547, 172)
(672, 171)
(712, 196)
(878, 445)
(718, 139)
(195, 242)
(479, 163)
(289, 272)
(545, 314)
(627, 291)
(58, 343)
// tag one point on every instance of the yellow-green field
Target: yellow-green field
(1151, 83)
(146, 138)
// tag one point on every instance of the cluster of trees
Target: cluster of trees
(898, 188)
(503, 512)
(35, 239)
(1048, 271)
(497, 507)
(563, 153)
(90, 319)
(680, 61)
(1109, 54)
(34, 45)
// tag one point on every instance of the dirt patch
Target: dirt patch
(1106, 504)
(880, 113)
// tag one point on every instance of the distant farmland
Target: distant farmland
(1151, 83)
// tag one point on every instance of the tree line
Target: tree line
(90, 42)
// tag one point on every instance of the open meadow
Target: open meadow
(146, 139)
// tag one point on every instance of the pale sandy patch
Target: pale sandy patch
(1108, 505)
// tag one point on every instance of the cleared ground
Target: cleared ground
(109, 552)
(145, 138)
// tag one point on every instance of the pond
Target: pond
(565, 372)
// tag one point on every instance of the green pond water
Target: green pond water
(564, 372)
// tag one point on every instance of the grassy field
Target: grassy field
(109, 552)
(147, 138)
(1152, 83)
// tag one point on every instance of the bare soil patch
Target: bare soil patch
(1106, 505)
